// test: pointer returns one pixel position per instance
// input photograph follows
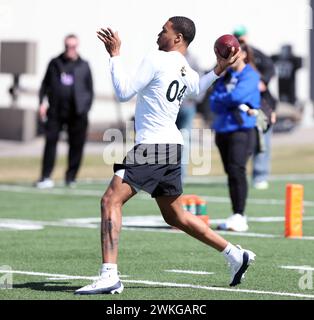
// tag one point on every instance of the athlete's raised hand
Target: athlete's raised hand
(224, 63)
(111, 41)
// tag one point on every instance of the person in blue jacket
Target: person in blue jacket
(234, 103)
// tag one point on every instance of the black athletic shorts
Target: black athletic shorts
(154, 168)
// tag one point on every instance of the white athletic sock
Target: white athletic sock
(232, 253)
(110, 268)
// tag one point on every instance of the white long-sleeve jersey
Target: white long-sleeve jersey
(161, 82)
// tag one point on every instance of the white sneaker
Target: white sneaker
(238, 268)
(45, 184)
(236, 222)
(70, 184)
(262, 185)
(105, 284)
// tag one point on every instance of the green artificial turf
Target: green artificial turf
(145, 255)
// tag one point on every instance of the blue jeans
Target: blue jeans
(185, 121)
(262, 160)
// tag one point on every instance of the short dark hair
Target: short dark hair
(185, 26)
(69, 36)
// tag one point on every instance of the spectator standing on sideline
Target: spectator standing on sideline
(266, 68)
(235, 130)
(68, 85)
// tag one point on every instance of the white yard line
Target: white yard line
(191, 286)
(142, 196)
(236, 234)
(53, 275)
(54, 191)
(190, 272)
(44, 274)
(140, 223)
(276, 219)
(250, 234)
(225, 233)
(170, 284)
(305, 268)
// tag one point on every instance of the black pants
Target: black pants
(235, 149)
(76, 128)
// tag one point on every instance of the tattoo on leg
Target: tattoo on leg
(107, 230)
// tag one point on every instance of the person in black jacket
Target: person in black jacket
(262, 154)
(68, 85)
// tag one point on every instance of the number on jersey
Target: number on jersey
(174, 93)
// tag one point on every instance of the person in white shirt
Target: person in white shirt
(162, 81)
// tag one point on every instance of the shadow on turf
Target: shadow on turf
(62, 287)
(46, 286)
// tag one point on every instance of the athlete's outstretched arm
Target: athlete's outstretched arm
(224, 63)
(208, 79)
(111, 41)
(125, 87)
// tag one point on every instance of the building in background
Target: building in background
(288, 22)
